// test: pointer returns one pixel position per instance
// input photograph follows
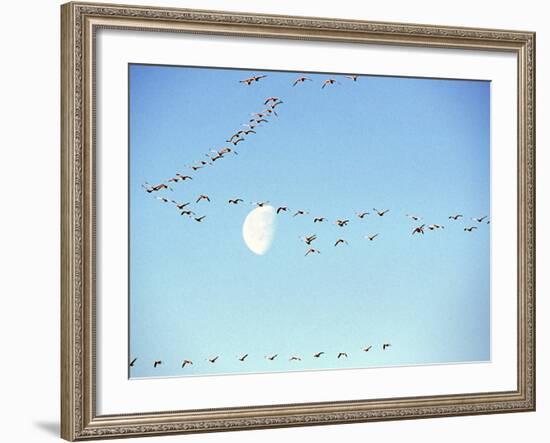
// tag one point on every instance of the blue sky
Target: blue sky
(414, 146)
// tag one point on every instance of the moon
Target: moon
(259, 229)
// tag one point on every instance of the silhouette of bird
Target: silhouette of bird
(252, 79)
(243, 357)
(380, 213)
(246, 132)
(213, 360)
(184, 177)
(327, 82)
(418, 230)
(319, 219)
(203, 197)
(195, 167)
(282, 209)
(274, 105)
(184, 363)
(352, 77)
(488, 222)
(270, 111)
(155, 188)
(318, 354)
(455, 217)
(367, 348)
(300, 212)
(226, 150)
(312, 251)
(200, 219)
(180, 206)
(301, 80)
(435, 226)
(386, 346)
(308, 240)
(235, 201)
(371, 237)
(362, 214)
(187, 212)
(340, 241)
(470, 228)
(165, 200)
(480, 219)
(341, 223)
(261, 204)
(342, 354)
(237, 141)
(271, 357)
(271, 99)
(133, 362)
(413, 217)
(258, 120)
(294, 358)
(156, 363)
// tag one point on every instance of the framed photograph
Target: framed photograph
(283, 221)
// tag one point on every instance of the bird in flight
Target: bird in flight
(261, 204)
(237, 140)
(252, 79)
(271, 100)
(184, 177)
(371, 237)
(413, 217)
(300, 212)
(455, 217)
(342, 354)
(386, 346)
(418, 230)
(340, 241)
(154, 188)
(271, 357)
(226, 150)
(187, 212)
(352, 77)
(327, 82)
(480, 219)
(133, 362)
(156, 363)
(243, 357)
(312, 251)
(203, 197)
(318, 354)
(165, 200)
(308, 240)
(380, 213)
(246, 131)
(197, 167)
(367, 348)
(235, 201)
(180, 206)
(301, 80)
(362, 214)
(274, 105)
(201, 218)
(184, 363)
(294, 358)
(319, 219)
(435, 226)
(282, 209)
(470, 228)
(341, 223)
(213, 359)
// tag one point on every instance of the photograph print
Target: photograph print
(300, 221)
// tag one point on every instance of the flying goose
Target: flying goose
(352, 77)
(455, 217)
(213, 359)
(294, 358)
(271, 357)
(203, 197)
(312, 251)
(418, 230)
(301, 80)
(133, 362)
(342, 354)
(243, 357)
(371, 237)
(235, 201)
(480, 219)
(156, 363)
(386, 346)
(282, 209)
(341, 223)
(329, 81)
(318, 354)
(184, 363)
(252, 79)
(307, 240)
(380, 213)
(470, 228)
(319, 219)
(300, 212)
(200, 219)
(340, 241)
(362, 214)
(367, 348)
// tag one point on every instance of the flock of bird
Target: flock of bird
(271, 357)
(254, 123)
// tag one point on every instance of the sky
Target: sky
(410, 145)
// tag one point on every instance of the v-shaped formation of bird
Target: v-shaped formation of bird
(270, 106)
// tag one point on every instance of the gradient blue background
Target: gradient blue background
(418, 146)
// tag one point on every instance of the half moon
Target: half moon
(259, 229)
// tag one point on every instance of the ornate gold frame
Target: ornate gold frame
(79, 21)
